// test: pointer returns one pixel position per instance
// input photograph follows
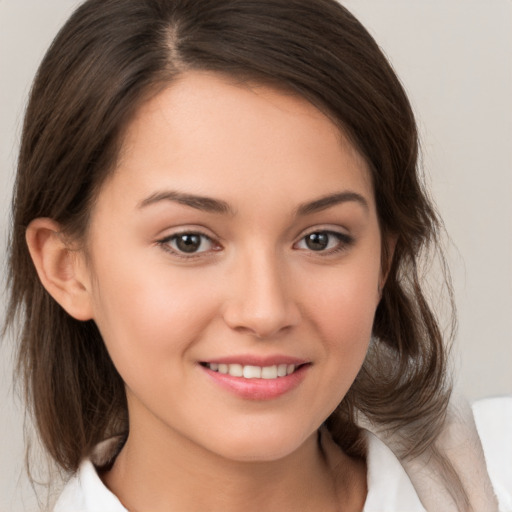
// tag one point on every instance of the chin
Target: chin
(264, 445)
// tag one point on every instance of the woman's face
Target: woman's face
(238, 234)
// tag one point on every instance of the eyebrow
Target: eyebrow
(211, 205)
(203, 203)
(331, 200)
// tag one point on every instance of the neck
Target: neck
(167, 473)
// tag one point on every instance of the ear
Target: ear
(61, 269)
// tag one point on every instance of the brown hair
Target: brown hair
(111, 56)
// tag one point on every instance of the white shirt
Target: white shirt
(390, 488)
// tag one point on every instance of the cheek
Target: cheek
(346, 330)
(144, 313)
(343, 315)
(344, 305)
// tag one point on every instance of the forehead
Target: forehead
(210, 133)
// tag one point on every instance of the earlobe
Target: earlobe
(61, 269)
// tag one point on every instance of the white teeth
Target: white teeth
(269, 372)
(282, 370)
(253, 372)
(236, 370)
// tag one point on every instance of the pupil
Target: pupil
(317, 241)
(188, 243)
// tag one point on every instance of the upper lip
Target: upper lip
(257, 360)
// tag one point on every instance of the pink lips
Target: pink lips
(258, 388)
(250, 359)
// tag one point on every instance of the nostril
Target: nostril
(262, 324)
(261, 303)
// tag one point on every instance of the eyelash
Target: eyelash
(166, 242)
(344, 242)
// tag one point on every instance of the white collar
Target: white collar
(389, 487)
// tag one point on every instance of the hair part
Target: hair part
(111, 57)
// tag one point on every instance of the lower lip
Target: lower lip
(258, 389)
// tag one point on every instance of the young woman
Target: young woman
(218, 221)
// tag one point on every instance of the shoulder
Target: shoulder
(493, 418)
(473, 451)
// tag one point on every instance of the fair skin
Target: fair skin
(240, 229)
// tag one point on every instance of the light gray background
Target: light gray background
(455, 59)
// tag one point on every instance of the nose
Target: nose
(262, 302)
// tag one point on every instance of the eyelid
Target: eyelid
(325, 228)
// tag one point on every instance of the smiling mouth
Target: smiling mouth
(253, 372)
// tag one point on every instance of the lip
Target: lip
(255, 360)
(258, 389)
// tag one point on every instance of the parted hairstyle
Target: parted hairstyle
(113, 55)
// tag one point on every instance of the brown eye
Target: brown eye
(189, 243)
(317, 241)
(328, 242)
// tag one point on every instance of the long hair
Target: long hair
(110, 57)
